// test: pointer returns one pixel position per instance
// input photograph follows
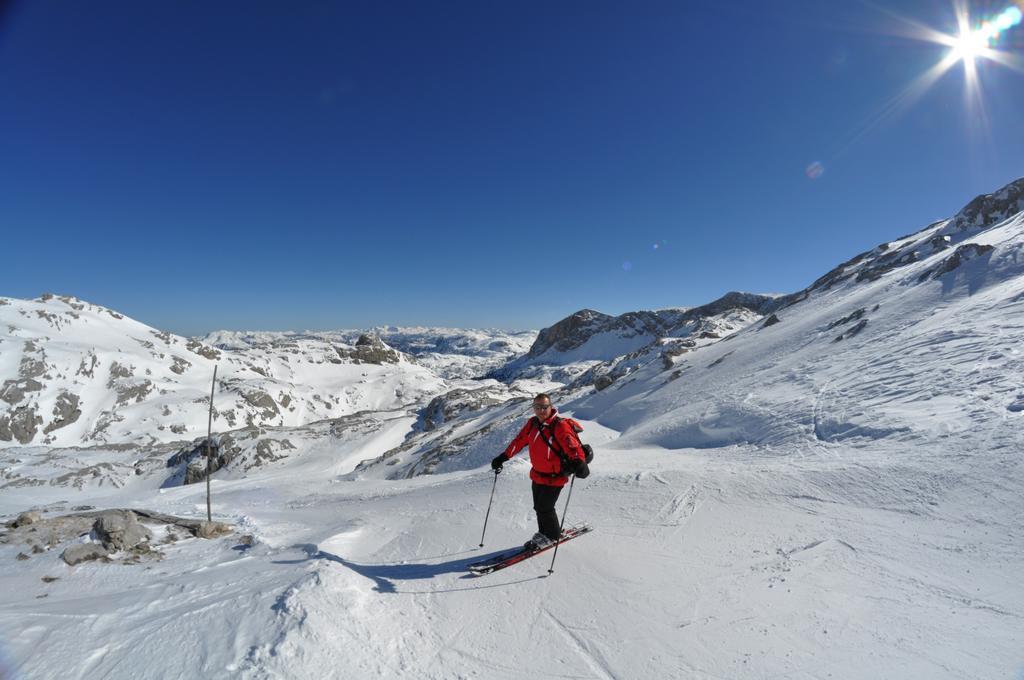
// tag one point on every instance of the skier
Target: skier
(550, 439)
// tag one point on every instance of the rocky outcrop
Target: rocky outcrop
(243, 449)
(14, 391)
(674, 348)
(968, 251)
(850, 318)
(65, 412)
(107, 532)
(854, 330)
(575, 330)
(988, 210)
(197, 347)
(180, 366)
(264, 402)
(212, 529)
(270, 450)
(369, 349)
(26, 518)
(120, 530)
(193, 458)
(21, 425)
(887, 263)
(84, 552)
(572, 331)
(452, 404)
(133, 392)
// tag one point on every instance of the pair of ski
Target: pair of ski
(516, 556)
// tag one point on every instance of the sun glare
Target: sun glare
(969, 45)
(973, 43)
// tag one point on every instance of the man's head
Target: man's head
(542, 406)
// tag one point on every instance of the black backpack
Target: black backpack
(563, 457)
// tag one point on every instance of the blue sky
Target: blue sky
(257, 165)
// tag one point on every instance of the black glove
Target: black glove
(498, 461)
(581, 469)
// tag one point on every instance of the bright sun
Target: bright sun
(969, 45)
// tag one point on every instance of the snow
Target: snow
(779, 503)
(732, 565)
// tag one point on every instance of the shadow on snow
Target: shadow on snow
(384, 575)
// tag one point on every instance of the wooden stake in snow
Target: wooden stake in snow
(209, 446)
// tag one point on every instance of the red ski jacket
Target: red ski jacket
(547, 466)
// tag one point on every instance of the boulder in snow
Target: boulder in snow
(120, 530)
(82, 552)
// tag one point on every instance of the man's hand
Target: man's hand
(498, 461)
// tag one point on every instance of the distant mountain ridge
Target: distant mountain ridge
(576, 329)
(452, 353)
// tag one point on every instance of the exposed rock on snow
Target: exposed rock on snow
(212, 529)
(962, 254)
(850, 318)
(990, 209)
(370, 349)
(14, 391)
(84, 552)
(457, 402)
(577, 328)
(20, 425)
(120, 530)
(26, 518)
(65, 412)
(852, 331)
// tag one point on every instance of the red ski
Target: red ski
(514, 557)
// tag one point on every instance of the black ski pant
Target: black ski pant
(544, 498)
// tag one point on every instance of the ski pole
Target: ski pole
(487, 516)
(561, 526)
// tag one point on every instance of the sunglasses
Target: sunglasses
(541, 407)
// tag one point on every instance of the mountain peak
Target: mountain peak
(987, 210)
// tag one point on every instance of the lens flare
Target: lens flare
(814, 170)
(980, 42)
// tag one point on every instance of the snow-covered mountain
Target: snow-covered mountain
(581, 341)
(451, 353)
(77, 374)
(820, 484)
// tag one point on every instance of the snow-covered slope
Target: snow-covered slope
(829, 491)
(916, 340)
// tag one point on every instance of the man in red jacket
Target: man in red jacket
(548, 436)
